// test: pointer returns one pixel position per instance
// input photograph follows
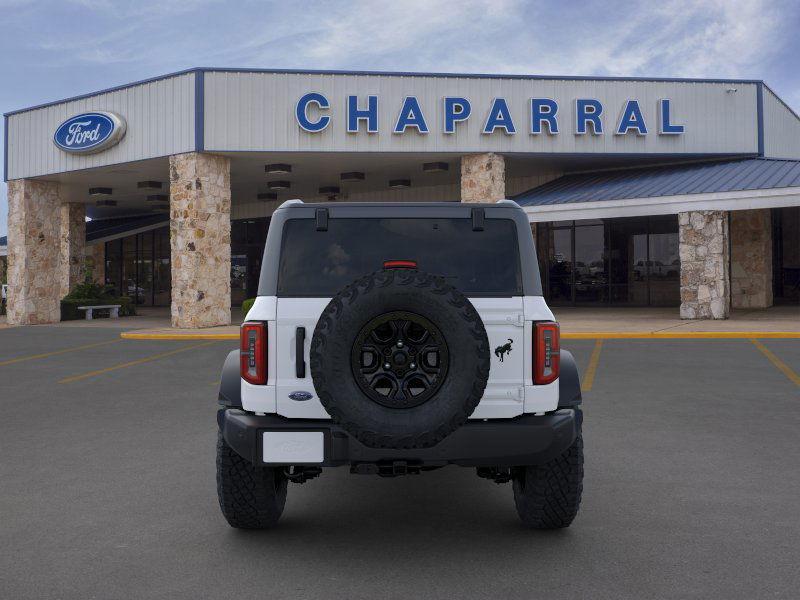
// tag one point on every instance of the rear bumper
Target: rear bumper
(524, 440)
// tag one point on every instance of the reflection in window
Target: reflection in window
(618, 261)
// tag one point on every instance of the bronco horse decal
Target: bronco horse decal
(501, 351)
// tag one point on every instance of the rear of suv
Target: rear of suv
(396, 339)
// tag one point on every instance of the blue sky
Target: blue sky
(52, 50)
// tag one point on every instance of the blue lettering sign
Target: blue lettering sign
(499, 117)
(631, 118)
(455, 110)
(301, 112)
(665, 127)
(588, 111)
(369, 114)
(89, 132)
(544, 110)
(93, 131)
(410, 116)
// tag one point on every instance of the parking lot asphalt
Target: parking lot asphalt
(107, 489)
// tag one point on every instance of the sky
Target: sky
(58, 49)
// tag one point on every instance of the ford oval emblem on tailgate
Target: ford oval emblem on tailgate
(300, 396)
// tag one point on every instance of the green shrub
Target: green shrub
(247, 305)
(90, 293)
(91, 290)
(70, 312)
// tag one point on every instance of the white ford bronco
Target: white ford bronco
(396, 339)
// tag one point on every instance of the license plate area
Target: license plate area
(293, 447)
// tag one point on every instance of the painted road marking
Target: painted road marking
(591, 370)
(132, 363)
(779, 364)
(55, 353)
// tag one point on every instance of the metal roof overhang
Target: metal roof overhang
(671, 189)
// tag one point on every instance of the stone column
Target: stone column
(96, 257)
(703, 247)
(200, 239)
(483, 177)
(34, 244)
(72, 245)
(751, 258)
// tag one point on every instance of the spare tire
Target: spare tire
(400, 359)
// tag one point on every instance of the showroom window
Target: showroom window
(622, 262)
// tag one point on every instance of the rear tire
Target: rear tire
(250, 497)
(548, 496)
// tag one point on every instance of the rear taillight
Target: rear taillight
(253, 351)
(546, 352)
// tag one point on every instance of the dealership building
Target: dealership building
(640, 192)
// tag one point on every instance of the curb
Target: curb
(591, 335)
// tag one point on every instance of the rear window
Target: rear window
(320, 263)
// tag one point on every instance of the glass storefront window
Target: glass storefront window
(630, 262)
(786, 255)
(138, 266)
(591, 274)
(162, 276)
(559, 267)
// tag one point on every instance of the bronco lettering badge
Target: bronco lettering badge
(300, 396)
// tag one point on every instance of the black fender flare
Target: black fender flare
(230, 383)
(569, 382)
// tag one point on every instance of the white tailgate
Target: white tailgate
(294, 313)
(509, 391)
(504, 321)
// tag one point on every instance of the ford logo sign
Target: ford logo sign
(90, 132)
(300, 396)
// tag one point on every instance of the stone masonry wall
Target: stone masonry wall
(483, 177)
(200, 240)
(33, 252)
(96, 259)
(751, 258)
(72, 239)
(703, 246)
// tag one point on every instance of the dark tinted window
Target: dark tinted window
(320, 263)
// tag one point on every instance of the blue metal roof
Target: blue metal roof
(671, 180)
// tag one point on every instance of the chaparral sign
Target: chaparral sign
(90, 132)
(588, 116)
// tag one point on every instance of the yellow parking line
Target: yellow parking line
(779, 364)
(132, 363)
(54, 353)
(588, 377)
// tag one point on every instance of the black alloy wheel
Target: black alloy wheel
(400, 359)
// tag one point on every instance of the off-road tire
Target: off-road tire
(548, 496)
(250, 497)
(332, 371)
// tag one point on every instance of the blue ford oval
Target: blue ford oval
(89, 132)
